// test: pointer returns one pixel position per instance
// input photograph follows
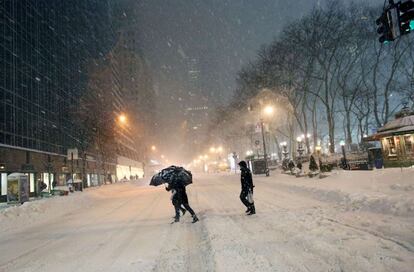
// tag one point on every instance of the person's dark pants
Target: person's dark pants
(182, 200)
(243, 198)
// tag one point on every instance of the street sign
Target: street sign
(27, 168)
(72, 153)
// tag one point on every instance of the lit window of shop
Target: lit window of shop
(392, 149)
(3, 181)
(409, 145)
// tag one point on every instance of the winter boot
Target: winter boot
(252, 210)
(248, 210)
(195, 219)
(183, 211)
(176, 220)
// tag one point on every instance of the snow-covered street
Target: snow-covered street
(301, 225)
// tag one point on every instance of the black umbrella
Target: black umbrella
(157, 180)
(172, 174)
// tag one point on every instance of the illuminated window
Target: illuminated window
(392, 150)
(409, 145)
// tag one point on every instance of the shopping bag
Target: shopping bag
(250, 197)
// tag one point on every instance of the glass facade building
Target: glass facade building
(45, 47)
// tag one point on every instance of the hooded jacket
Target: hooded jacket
(246, 179)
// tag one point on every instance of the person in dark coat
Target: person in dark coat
(246, 187)
(180, 198)
(174, 200)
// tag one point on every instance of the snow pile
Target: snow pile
(40, 209)
(387, 191)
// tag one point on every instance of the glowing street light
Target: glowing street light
(162, 156)
(268, 110)
(153, 148)
(212, 149)
(122, 118)
(220, 149)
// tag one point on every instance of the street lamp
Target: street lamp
(268, 110)
(153, 148)
(285, 153)
(344, 162)
(122, 118)
(300, 148)
(318, 149)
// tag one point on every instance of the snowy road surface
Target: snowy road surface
(126, 227)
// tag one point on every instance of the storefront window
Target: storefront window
(3, 181)
(392, 150)
(32, 182)
(409, 145)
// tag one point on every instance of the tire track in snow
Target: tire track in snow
(115, 236)
(188, 247)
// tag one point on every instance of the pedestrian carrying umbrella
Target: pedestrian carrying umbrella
(172, 174)
(157, 180)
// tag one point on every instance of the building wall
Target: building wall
(45, 49)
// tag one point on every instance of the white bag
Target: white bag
(250, 197)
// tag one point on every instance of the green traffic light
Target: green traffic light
(412, 25)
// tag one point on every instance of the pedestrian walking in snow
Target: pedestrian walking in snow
(174, 200)
(180, 198)
(246, 195)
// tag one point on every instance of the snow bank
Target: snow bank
(40, 209)
(387, 191)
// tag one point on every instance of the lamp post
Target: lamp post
(285, 153)
(345, 162)
(300, 146)
(268, 110)
(300, 152)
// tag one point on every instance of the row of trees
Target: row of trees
(339, 81)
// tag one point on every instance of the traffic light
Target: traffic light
(384, 28)
(406, 17)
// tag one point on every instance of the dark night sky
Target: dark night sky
(223, 35)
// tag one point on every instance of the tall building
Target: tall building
(197, 108)
(136, 87)
(46, 51)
